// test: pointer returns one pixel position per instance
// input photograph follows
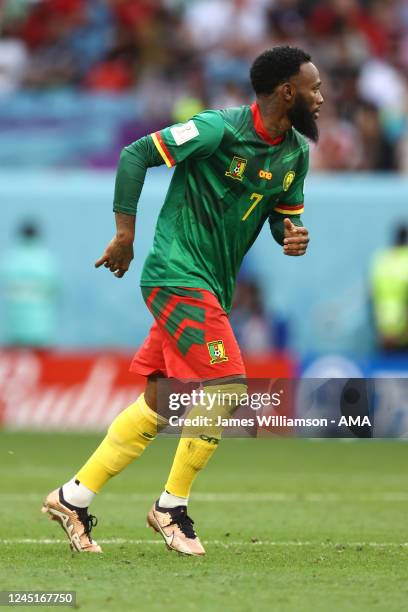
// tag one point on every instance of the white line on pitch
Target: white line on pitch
(235, 497)
(224, 543)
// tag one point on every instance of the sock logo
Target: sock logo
(217, 351)
(147, 435)
(209, 439)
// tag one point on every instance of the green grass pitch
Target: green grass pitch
(293, 525)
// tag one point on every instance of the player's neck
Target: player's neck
(275, 121)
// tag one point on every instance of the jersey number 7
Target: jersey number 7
(256, 198)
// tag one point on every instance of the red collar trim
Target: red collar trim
(260, 128)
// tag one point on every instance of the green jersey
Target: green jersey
(230, 177)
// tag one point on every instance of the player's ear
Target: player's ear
(287, 91)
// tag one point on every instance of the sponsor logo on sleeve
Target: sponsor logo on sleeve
(288, 179)
(185, 132)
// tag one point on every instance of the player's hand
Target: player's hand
(117, 256)
(295, 239)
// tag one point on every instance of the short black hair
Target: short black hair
(401, 235)
(275, 66)
(29, 229)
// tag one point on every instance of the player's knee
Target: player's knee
(152, 392)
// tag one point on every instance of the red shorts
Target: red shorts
(191, 337)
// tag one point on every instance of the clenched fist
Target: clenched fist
(295, 239)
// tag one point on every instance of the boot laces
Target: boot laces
(88, 520)
(185, 523)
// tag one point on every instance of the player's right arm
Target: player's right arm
(133, 164)
(198, 138)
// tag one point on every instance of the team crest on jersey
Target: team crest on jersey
(217, 351)
(237, 168)
(288, 179)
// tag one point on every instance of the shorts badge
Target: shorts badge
(217, 351)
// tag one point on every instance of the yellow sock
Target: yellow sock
(193, 454)
(127, 437)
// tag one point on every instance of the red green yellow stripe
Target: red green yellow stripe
(286, 209)
(163, 150)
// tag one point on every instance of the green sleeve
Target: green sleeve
(133, 163)
(277, 227)
(290, 203)
(291, 199)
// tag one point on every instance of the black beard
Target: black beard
(302, 119)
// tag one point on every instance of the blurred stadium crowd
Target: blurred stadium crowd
(176, 57)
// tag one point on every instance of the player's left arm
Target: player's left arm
(289, 233)
(285, 221)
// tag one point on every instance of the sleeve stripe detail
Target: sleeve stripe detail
(163, 150)
(286, 209)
